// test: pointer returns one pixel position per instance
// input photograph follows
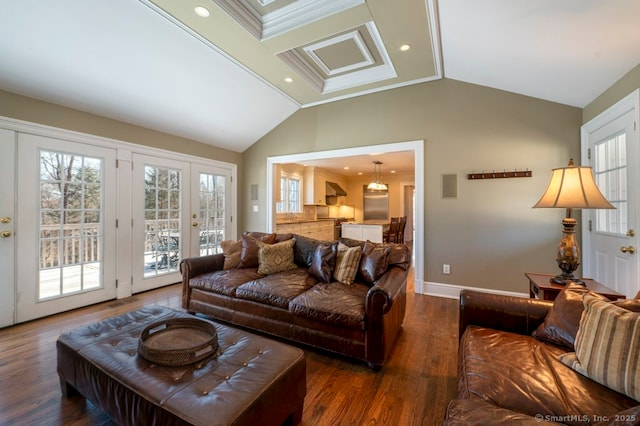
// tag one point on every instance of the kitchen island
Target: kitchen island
(371, 231)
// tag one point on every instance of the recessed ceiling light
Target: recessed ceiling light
(405, 47)
(392, 171)
(359, 173)
(346, 167)
(288, 79)
(201, 11)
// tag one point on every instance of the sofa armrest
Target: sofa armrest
(507, 313)
(194, 266)
(380, 297)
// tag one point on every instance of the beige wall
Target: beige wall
(36, 111)
(627, 84)
(489, 235)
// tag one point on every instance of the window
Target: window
(611, 177)
(289, 195)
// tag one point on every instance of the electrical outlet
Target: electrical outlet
(446, 268)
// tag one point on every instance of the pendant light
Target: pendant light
(376, 182)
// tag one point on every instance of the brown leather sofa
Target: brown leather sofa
(506, 376)
(360, 320)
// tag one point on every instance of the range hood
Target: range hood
(335, 190)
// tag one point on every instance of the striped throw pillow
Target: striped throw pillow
(608, 346)
(347, 263)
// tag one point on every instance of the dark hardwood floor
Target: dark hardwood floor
(413, 388)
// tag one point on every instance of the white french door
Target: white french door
(161, 227)
(210, 209)
(611, 254)
(65, 225)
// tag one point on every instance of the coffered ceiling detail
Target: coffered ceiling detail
(342, 61)
(317, 51)
(269, 18)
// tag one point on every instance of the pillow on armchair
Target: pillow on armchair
(563, 319)
(607, 346)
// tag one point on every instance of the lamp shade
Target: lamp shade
(573, 188)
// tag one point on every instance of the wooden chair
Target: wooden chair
(391, 234)
(403, 224)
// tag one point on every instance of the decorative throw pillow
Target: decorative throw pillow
(563, 319)
(323, 262)
(276, 257)
(607, 346)
(249, 253)
(373, 262)
(347, 263)
(231, 250)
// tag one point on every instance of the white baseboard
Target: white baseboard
(451, 291)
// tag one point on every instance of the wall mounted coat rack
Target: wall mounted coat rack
(499, 175)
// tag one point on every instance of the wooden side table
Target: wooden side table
(541, 288)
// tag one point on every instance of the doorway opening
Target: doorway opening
(417, 147)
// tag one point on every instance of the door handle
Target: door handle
(194, 224)
(630, 249)
(5, 219)
(5, 234)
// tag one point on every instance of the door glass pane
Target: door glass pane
(611, 176)
(212, 213)
(163, 224)
(70, 228)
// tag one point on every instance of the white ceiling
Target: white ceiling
(155, 64)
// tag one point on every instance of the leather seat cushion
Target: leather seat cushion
(277, 289)
(523, 374)
(335, 303)
(224, 282)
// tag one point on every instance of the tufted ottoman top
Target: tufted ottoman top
(253, 378)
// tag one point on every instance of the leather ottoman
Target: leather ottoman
(253, 381)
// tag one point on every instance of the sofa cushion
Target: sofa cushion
(523, 374)
(225, 281)
(323, 262)
(608, 346)
(335, 303)
(249, 254)
(231, 250)
(563, 319)
(304, 249)
(277, 289)
(374, 262)
(275, 257)
(399, 254)
(347, 263)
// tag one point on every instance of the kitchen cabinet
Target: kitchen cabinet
(315, 186)
(317, 229)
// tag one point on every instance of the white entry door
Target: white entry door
(7, 227)
(65, 226)
(611, 244)
(211, 215)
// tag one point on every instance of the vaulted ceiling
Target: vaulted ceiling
(228, 78)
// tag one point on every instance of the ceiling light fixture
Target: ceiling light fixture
(405, 47)
(201, 11)
(288, 80)
(376, 182)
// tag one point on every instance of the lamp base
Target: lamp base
(564, 279)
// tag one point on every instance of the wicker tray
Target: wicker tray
(178, 341)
